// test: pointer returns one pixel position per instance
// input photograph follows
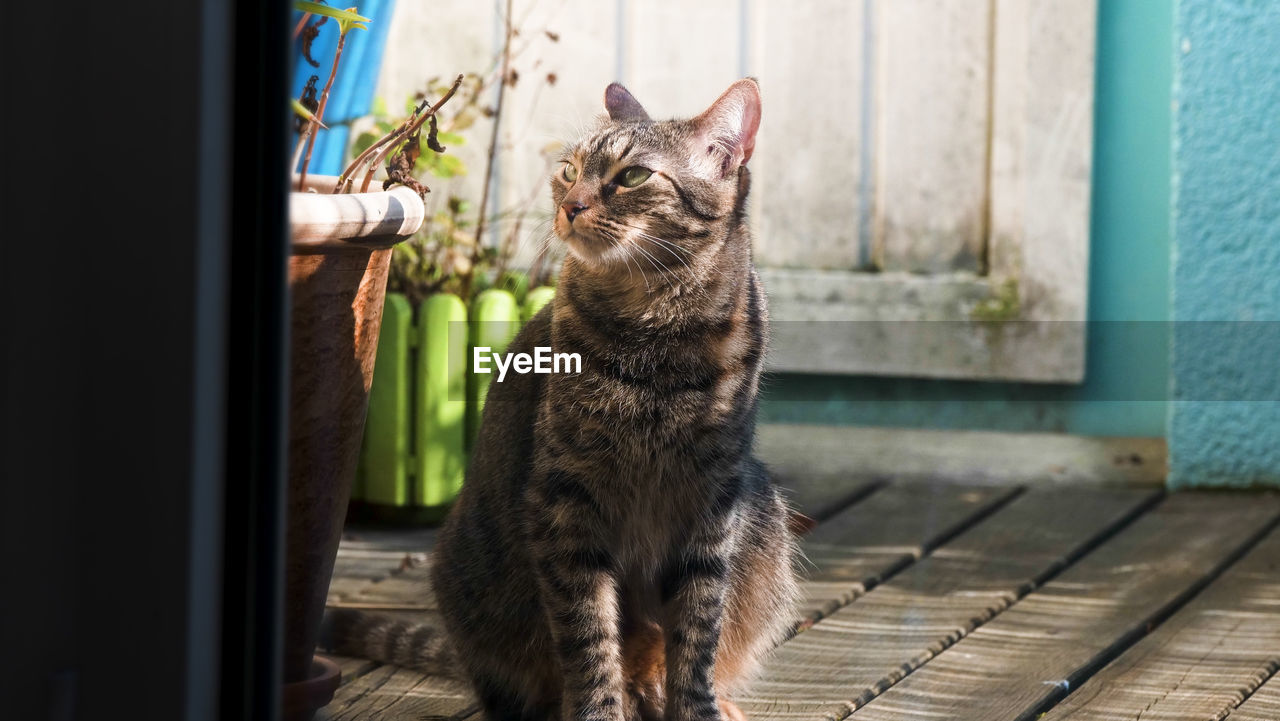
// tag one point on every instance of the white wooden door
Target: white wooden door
(934, 170)
(921, 180)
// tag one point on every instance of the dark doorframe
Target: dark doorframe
(144, 357)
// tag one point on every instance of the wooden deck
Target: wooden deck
(983, 603)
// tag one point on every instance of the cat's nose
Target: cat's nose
(571, 210)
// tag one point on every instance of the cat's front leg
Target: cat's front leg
(694, 586)
(578, 581)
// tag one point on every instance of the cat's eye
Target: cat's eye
(633, 176)
(570, 172)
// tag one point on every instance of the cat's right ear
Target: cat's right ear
(622, 106)
(728, 128)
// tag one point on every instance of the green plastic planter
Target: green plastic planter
(440, 401)
(495, 319)
(425, 402)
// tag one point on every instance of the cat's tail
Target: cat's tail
(411, 644)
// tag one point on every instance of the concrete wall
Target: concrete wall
(1127, 363)
(1224, 426)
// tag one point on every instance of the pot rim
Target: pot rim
(369, 221)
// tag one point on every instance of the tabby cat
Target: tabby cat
(617, 553)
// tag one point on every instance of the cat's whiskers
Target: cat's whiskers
(644, 236)
(544, 242)
(675, 246)
(667, 246)
(625, 257)
(654, 262)
(650, 236)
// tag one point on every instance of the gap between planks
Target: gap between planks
(1204, 660)
(1025, 661)
(869, 645)
(1262, 705)
(885, 533)
(886, 530)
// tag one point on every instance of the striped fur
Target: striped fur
(424, 647)
(617, 553)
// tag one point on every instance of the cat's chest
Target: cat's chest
(653, 515)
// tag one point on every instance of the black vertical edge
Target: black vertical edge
(258, 332)
(144, 289)
(208, 388)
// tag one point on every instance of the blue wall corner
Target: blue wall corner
(352, 94)
(1224, 425)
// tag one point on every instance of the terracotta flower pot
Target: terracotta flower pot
(341, 252)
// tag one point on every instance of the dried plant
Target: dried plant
(449, 253)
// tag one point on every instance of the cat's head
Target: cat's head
(653, 193)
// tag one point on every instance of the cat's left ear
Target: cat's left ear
(727, 129)
(622, 106)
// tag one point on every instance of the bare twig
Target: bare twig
(297, 30)
(407, 128)
(493, 148)
(297, 149)
(344, 179)
(324, 100)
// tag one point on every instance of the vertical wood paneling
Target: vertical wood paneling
(806, 171)
(679, 56)
(539, 114)
(1010, 84)
(933, 101)
(1042, 141)
(950, 136)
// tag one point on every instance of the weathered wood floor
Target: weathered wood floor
(980, 603)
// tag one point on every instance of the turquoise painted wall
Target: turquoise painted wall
(1224, 425)
(1127, 372)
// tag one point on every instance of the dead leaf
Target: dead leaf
(432, 141)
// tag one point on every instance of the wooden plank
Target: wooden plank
(851, 553)
(342, 587)
(352, 667)
(831, 459)
(805, 195)
(1037, 244)
(388, 692)
(539, 114)
(374, 565)
(410, 590)
(374, 538)
(1042, 155)
(678, 57)
(933, 71)
(820, 497)
(1025, 659)
(1263, 705)
(875, 538)
(354, 571)
(366, 556)
(869, 645)
(1203, 661)
(832, 322)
